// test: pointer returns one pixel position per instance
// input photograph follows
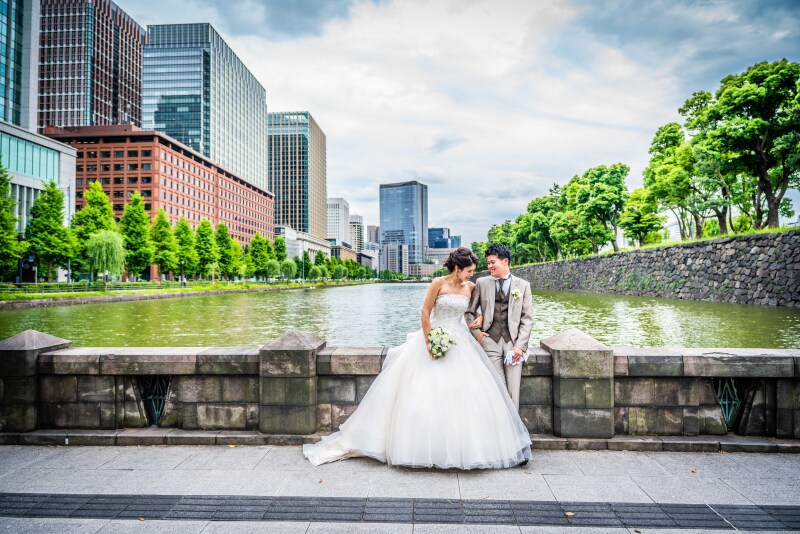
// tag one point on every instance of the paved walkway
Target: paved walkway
(273, 489)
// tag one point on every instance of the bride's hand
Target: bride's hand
(477, 323)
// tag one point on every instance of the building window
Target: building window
(119, 167)
(117, 207)
(147, 179)
(133, 153)
(105, 168)
(133, 166)
(119, 153)
(105, 153)
(119, 194)
(105, 181)
(119, 180)
(147, 166)
(147, 153)
(133, 180)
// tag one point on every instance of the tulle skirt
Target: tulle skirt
(453, 412)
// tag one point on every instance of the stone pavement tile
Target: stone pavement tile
(572, 530)
(195, 482)
(355, 528)
(595, 489)
(326, 484)
(400, 482)
(155, 526)
(76, 458)
(89, 481)
(253, 527)
(507, 484)
(552, 463)
(290, 458)
(12, 457)
(430, 528)
(43, 525)
(150, 457)
(697, 464)
(235, 458)
(761, 466)
(12, 481)
(689, 490)
(616, 463)
(767, 492)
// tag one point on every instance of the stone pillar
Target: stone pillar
(288, 384)
(583, 385)
(19, 380)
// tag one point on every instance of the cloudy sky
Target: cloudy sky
(488, 102)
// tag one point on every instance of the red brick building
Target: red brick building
(169, 175)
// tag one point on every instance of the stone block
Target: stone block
(706, 394)
(252, 415)
(108, 415)
(737, 363)
(324, 417)
(689, 444)
(336, 389)
(93, 388)
(45, 437)
(288, 391)
(785, 426)
(194, 437)
(634, 443)
(583, 393)
(20, 390)
(536, 390)
(788, 393)
(18, 353)
(292, 354)
(324, 361)
(620, 365)
(583, 423)
(620, 420)
(150, 361)
(599, 393)
(587, 444)
(537, 418)
(691, 421)
(734, 443)
(105, 438)
(548, 442)
(641, 421)
(669, 421)
(577, 355)
(76, 415)
(206, 388)
(240, 437)
(143, 436)
(677, 392)
(288, 419)
(18, 418)
(240, 388)
(634, 391)
(711, 421)
(228, 361)
(356, 361)
(80, 361)
(654, 362)
(340, 413)
(363, 384)
(221, 417)
(539, 363)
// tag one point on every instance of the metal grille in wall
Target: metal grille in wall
(154, 390)
(728, 398)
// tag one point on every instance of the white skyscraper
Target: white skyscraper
(357, 232)
(339, 220)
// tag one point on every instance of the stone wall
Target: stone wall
(749, 269)
(572, 386)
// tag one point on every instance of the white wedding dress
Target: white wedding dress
(453, 412)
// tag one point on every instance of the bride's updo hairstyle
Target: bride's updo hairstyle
(462, 258)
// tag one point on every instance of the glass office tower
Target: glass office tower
(404, 217)
(196, 89)
(298, 172)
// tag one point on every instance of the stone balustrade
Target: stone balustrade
(572, 387)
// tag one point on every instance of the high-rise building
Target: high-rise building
(374, 233)
(404, 217)
(298, 172)
(338, 220)
(394, 257)
(441, 238)
(197, 91)
(31, 159)
(357, 232)
(90, 70)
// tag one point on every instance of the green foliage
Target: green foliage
(48, 239)
(135, 229)
(225, 257)
(206, 246)
(186, 255)
(96, 215)
(259, 254)
(280, 248)
(165, 245)
(640, 217)
(288, 269)
(479, 249)
(10, 247)
(273, 268)
(238, 267)
(107, 252)
(319, 258)
(314, 272)
(339, 272)
(711, 228)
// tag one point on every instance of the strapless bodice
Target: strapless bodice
(449, 310)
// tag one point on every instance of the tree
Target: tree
(135, 229)
(479, 249)
(259, 254)
(314, 272)
(108, 253)
(206, 247)
(238, 268)
(10, 247)
(755, 116)
(600, 196)
(288, 269)
(640, 216)
(49, 241)
(280, 248)
(225, 257)
(319, 258)
(96, 215)
(273, 268)
(339, 272)
(165, 246)
(186, 255)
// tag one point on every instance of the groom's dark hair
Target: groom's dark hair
(499, 250)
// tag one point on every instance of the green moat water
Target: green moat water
(382, 314)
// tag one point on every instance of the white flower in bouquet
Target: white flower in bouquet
(440, 342)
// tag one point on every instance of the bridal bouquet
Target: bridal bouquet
(440, 341)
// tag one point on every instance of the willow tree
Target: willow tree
(107, 251)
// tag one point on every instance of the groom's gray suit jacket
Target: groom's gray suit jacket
(520, 316)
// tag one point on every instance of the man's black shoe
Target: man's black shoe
(523, 463)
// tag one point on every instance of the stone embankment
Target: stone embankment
(749, 269)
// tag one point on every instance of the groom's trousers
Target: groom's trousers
(511, 375)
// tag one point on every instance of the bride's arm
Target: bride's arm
(427, 306)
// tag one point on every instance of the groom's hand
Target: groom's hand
(477, 323)
(517, 355)
(481, 335)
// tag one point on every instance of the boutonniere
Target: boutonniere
(516, 294)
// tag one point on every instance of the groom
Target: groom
(505, 305)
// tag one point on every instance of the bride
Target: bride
(450, 412)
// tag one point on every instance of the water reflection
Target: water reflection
(383, 314)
